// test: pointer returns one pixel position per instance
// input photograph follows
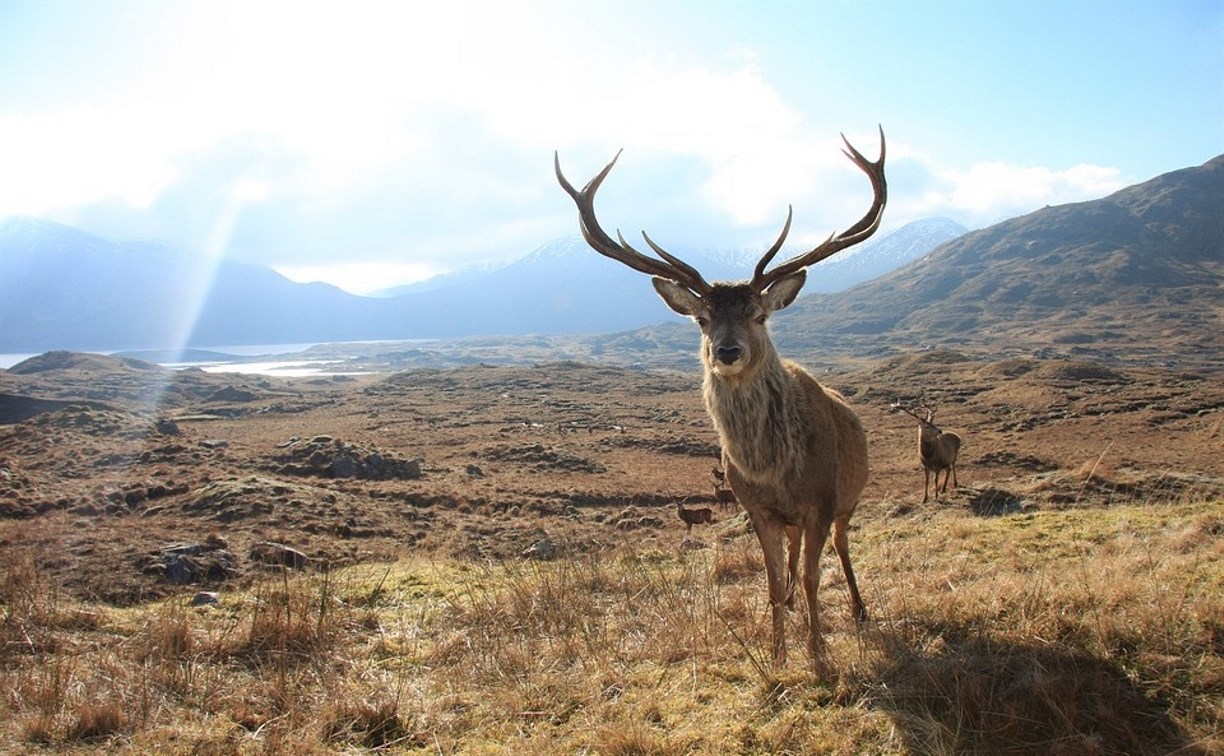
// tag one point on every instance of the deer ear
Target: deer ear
(677, 297)
(784, 290)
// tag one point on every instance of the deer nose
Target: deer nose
(727, 355)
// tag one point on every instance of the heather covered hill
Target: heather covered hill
(1139, 273)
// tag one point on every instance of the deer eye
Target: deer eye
(760, 318)
(702, 321)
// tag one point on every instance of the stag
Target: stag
(936, 448)
(794, 452)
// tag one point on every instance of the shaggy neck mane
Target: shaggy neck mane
(757, 420)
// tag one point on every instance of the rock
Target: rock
(326, 457)
(205, 598)
(544, 549)
(184, 563)
(233, 394)
(692, 544)
(278, 555)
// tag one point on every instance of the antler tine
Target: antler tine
(676, 261)
(899, 407)
(769, 255)
(857, 233)
(670, 267)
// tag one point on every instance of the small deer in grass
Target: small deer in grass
(722, 490)
(795, 453)
(695, 516)
(724, 496)
(937, 449)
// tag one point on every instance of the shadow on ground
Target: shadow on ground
(971, 694)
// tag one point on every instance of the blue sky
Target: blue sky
(370, 143)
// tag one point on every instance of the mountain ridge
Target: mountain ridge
(1139, 272)
(68, 289)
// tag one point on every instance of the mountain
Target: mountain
(65, 289)
(879, 256)
(875, 258)
(1139, 272)
(565, 288)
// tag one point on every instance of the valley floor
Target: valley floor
(487, 559)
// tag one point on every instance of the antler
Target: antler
(670, 267)
(857, 233)
(898, 407)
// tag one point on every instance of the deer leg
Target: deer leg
(955, 483)
(926, 481)
(841, 544)
(794, 538)
(817, 533)
(770, 535)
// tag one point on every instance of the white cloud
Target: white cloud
(989, 192)
(422, 134)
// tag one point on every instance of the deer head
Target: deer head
(925, 420)
(731, 316)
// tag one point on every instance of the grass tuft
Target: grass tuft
(1082, 630)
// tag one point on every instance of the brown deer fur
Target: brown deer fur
(937, 450)
(794, 453)
(695, 516)
(724, 495)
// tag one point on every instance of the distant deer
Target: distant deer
(722, 490)
(795, 453)
(724, 496)
(937, 449)
(695, 516)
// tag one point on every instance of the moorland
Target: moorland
(488, 559)
(475, 547)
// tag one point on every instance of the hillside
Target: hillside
(1139, 274)
(1136, 277)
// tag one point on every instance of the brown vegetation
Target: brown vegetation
(1065, 599)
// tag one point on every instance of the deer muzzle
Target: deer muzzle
(728, 354)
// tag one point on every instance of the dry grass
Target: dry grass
(1090, 630)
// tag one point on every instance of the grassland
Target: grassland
(1081, 630)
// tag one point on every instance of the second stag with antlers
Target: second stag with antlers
(937, 450)
(794, 452)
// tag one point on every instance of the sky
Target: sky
(370, 144)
